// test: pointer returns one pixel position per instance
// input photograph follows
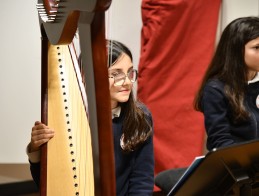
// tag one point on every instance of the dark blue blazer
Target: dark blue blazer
(134, 171)
(221, 129)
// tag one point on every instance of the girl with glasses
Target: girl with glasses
(132, 129)
(132, 126)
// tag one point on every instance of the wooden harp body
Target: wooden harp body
(75, 161)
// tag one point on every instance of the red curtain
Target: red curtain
(178, 40)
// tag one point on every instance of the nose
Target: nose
(127, 81)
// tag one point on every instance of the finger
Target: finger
(38, 140)
(37, 123)
(42, 133)
(38, 131)
(35, 145)
(40, 126)
(41, 142)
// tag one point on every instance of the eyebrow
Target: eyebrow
(121, 69)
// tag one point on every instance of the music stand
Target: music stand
(232, 170)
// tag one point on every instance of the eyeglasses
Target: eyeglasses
(120, 77)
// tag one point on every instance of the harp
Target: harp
(79, 160)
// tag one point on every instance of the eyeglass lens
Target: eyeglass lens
(120, 78)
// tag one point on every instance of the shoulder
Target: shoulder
(214, 87)
(146, 111)
(214, 83)
(144, 108)
(213, 95)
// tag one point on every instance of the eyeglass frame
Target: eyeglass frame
(124, 78)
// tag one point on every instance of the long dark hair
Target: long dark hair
(228, 64)
(136, 127)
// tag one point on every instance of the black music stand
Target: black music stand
(230, 170)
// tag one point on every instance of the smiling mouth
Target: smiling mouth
(124, 91)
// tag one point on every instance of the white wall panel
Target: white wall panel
(19, 77)
(232, 9)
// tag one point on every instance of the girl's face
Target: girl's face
(120, 93)
(252, 57)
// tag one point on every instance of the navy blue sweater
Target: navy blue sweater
(221, 129)
(134, 171)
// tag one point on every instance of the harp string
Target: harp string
(75, 51)
(109, 16)
(79, 119)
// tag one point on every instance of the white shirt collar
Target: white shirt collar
(255, 79)
(116, 112)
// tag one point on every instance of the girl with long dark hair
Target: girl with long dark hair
(228, 96)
